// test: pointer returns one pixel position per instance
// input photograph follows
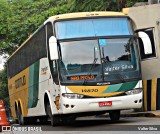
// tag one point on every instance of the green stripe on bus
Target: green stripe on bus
(113, 88)
(128, 86)
(33, 85)
(121, 87)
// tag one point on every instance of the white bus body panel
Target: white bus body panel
(88, 105)
(45, 86)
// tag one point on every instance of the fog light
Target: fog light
(140, 100)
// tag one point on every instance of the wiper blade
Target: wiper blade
(90, 70)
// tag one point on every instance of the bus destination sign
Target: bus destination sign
(81, 77)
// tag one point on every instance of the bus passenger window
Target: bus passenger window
(146, 43)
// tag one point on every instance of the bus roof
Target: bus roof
(72, 16)
(85, 15)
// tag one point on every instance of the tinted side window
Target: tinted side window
(32, 51)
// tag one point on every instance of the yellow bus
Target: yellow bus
(76, 64)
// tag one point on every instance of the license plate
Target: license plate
(104, 104)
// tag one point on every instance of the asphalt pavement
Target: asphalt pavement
(140, 113)
(136, 113)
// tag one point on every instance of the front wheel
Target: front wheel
(114, 115)
(55, 120)
(68, 120)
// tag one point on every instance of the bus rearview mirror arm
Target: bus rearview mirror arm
(53, 48)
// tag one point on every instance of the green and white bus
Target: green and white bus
(77, 64)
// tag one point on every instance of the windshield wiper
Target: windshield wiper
(91, 68)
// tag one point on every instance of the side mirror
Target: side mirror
(53, 48)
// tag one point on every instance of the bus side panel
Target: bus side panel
(36, 93)
(33, 85)
(43, 86)
(18, 91)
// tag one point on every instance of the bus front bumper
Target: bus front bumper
(94, 105)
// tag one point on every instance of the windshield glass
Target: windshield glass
(77, 58)
(116, 60)
(119, 59)
(93, 27)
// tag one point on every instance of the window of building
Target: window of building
(146, 43)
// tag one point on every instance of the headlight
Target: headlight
(73, 96)
(134, 91)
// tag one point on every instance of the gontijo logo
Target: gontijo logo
(21, 81)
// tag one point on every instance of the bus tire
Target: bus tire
(55, 120)
(19, 116)
(68, 120)
(114, 115)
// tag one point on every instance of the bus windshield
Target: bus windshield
(116, 60)
(97, 50)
